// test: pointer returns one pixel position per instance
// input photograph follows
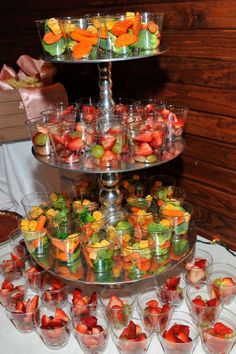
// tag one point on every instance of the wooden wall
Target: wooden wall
(199, 70)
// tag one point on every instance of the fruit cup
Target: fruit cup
(175, 117)
(92, 332)
(35, 204)
(35, 236)
(138, 256)
(52, 38)
(40, 136)
(132, 339)
(88, 109)
(12, 259)
(36, 277)
(172, 291)
(16, 238)
(108, 145)
(158, 181)
(125, 108)
(56, 293)
(220, 336)
(223, 282)
(161, 232)
(170, 194)
(12, 287)
(99, 251)
(202, 305)
(118, 34)
(147, 140)
(65, 243)
(181, 335)
(199, 267)
(81, 37)
(70, 149)
(23, 312)
(118, 305)
(154, 314)
(146, 105)
(82, 303)
(53, 326)
(149, 36)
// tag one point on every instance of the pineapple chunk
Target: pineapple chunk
(54, 26)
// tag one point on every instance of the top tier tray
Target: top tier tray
(104, 58)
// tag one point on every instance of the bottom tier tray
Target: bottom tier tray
(162, 267)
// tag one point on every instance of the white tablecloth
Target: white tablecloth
(13, 342)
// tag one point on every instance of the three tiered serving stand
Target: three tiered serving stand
(110, 196)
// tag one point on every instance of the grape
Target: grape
(98, 151)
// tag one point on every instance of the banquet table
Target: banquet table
(12, 341)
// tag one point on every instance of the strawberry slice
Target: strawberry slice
(55, 322)
(82, 328)
(108, 157)
(44, 321)
(213, 302)
(131, 330)
(75, 144)
(145, 137)
(153, 304)
(57, 284)
(7, 285)
(107, 141)
(115, 301)
(165, 308)
(221, 329)
(117, 314)
(178, 123)
(97, 329)
(58, 139)
(170, 336)
(77, 295)
(144, 149)
(59, 313)
(20, 307)
(32, 304)
(157, 139)
(199, 302)
(93, 297)
(200, 263)
(183, 337)
(89, 321)
(114, 130)
(227, 281)
(172, 283)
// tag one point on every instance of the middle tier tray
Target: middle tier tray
(171, 151)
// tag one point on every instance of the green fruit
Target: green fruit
(98, 151)
(117, 147)
(41, 139)
(151, 158)
(123, 225)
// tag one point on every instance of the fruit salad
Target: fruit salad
(218, 338)
(92, 333)
(51, 35)
(161, 232)
(23, 312)
(132, 339)
(121, 231)
(175, 117)
(99, 251)
(206, 311)
(118, 311)
(83, 304)
(36, 277)
(133, 187)
(177, 339)
(149, 36)
(119, 34)
(35, 236)
(53, 327)
(179, 215)
(171, 292)
(147, 139)
(169, 194)
(199, 267)
(81, 36)
(12, 260)
(224, 288)
(11, 290)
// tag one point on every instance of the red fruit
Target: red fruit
(47, 296)
(114, 130)
(77, 294)
(165, 308)
(172, 283)
(165, 113)
(85, 298)
(58, 139)
(116, 314)
(183, 337)
(199, 302)
(157, 139)
(108, 156)
(82, 328)
(144, 150)
(59, 313)
(212, 302)
(93, 297)
(153, 304)
(131, 330)
(20, 306)
(115, 301)
(200, 263)
(55, 322)
(178, 123)
(145, 137)
(44, 321)
(79, 127)
(57, 284)
(7, 285)
(97, 329)
(75, 144)
(32, 304)
(177, 328)
(221, 329)
(107, 141)
(141, 336)
(89, 321)
(228, 281)
(170, 336)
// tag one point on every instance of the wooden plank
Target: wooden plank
(12, 120)
(210, 198)
(12, 134)
(212, 126)
(208, 174)
(213, 225)
(206, 150)
(9, 96)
